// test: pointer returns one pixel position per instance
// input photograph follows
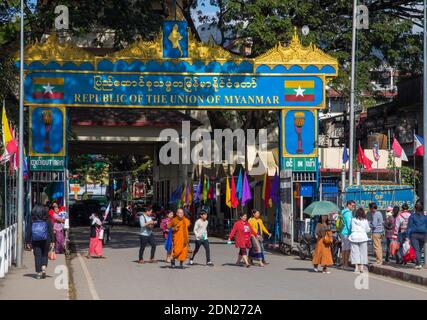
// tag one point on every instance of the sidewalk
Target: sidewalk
(405, 273)
(21, 284)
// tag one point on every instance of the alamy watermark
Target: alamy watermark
(61, 281)
(220, 149)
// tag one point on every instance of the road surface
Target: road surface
(286, 277)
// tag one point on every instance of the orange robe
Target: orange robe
(180, 238)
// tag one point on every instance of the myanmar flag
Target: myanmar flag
(299, 90)
(48, 88)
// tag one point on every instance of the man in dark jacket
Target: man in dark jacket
(417, 231)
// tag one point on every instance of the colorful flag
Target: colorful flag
(227, 194)
(418, 145)
(275, 190)
(363, 160)
(299, 90)
(239, 188)
(375, 152)
(246, 193)
(205, 189)
(48, 88)
(345, 156)
(107, 211)
(398, 151)
(10, 144)
(266, 192)
(190, 194)
(183, 195)
(234, 200)
(210, 192)
(198, 195)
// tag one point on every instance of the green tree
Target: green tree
(389, 40)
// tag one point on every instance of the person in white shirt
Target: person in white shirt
(201, 234)
(359, 240)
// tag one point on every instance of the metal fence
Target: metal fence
(8, 197)
(7, 249)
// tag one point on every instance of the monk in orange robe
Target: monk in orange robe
(180, 239)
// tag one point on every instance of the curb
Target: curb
(400, 275)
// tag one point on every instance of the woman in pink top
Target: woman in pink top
(243, 231)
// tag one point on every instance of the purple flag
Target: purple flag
(198, 194)
(275, 193)
(246, 193)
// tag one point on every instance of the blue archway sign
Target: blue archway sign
(176, 71)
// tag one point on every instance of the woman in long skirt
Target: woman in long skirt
(59, 217)
(323, 254)
(95, 243)
(359, 240)
(164, 226)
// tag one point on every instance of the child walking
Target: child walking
(201, 233)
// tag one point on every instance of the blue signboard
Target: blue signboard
(299, 129)
(383, 196)
(47, 131)
(175, 39)
(170, 90)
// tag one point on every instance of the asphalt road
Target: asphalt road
(286, 277)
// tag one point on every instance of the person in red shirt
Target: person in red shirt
(54, 208)
(242, 230)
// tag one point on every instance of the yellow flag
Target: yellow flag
(7, 136)
(183, 194)
(190, 194)
(228, 194)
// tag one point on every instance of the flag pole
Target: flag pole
(19, 228)
(352, 98)
(425, 116)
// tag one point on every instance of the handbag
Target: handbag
(101, 234)
(394, 247)
(327, 239)
(51, 255)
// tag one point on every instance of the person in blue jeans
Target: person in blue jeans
(40, 238)
(417, 231)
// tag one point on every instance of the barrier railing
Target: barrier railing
(7, 249)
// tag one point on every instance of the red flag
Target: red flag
(210, 192)
(363, 160)
(234, 199)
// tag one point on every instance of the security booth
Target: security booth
(177, 72)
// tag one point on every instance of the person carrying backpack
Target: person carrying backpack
(400, 230)
(40, 238)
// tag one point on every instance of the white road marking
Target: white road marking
(89, 279)
(398, 283)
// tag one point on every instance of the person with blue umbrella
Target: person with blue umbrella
(322, 253)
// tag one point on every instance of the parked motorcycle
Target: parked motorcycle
(306, 246)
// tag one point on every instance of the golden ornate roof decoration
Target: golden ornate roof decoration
(53, 50)
(141, 49)
(153, 50)
(296, 54)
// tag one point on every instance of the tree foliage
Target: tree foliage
(389, 40)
